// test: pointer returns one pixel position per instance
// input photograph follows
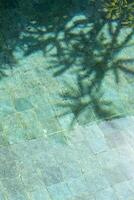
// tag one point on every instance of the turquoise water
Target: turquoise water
(66, 105)
(33, 100)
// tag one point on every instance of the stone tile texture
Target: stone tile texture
(59, 168)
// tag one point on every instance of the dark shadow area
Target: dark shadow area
(74, 30)
(24, 25)
(93, 57)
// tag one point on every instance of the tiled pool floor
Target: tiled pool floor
(28, 98)
(96, 162)
(40, 159)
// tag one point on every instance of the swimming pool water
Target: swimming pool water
(43, 155)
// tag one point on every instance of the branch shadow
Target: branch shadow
(91, 56)
(29, 26)
(74, 31)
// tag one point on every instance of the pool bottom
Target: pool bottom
(94, 162)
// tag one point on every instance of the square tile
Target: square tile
(124, 191)
(70, 170)
(40, 194)
(6, 107)
(22, 104)
(106, 194)
(51, 175)
(115, 175)
(96, 182)
(78, 186)
(8, 170)
(59, 191)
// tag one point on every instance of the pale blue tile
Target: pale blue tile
(51, 175)
(124, 191)
(96, 182)
(22, 104)
(78, 186)
(96, 139)
(106, 194)
(40, 194)
(59, 191)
